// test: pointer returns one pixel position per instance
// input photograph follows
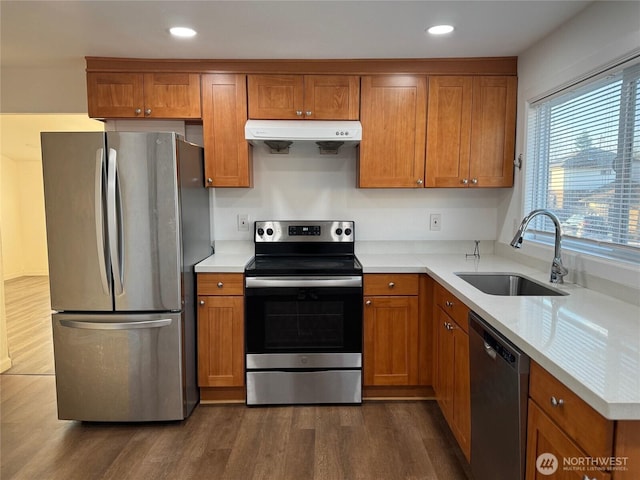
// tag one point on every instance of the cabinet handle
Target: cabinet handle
(201, 302)
(448, 303)
(147, 111)
(557, 402)
(464, 181)
(220, 284)
(209, 180)
(474, 181)
(299, 113)
(368, 302)
(391, 284)
(308, 113)
(138, 111)
(419, 181)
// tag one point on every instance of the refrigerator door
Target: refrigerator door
(74, 173)
(143, 221)
(117, 367)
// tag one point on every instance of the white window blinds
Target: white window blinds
(583, 151)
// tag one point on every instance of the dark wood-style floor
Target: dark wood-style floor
(378, 440)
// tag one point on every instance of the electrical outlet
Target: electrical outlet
(243, 222)
(434, 221)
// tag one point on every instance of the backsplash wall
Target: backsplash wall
(304, 185)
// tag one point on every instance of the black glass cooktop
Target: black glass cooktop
(304, 265)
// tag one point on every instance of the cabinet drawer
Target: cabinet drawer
(391, 284)
(457, 310)
(220, 284)
(590, 430)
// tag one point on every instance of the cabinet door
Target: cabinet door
(391, 340)
(172, 95)
(448, 131)
(276, 96)
(544, 436)
(461, 410)
(115, 95)
(331, 97)
(443, 379)
(393, 115)
(227, 154)
(220, 341)
(452, 385)
(493, 131)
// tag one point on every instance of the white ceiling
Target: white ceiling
(36, 34)
(54, 33)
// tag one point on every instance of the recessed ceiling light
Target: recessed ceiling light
(182, 31)
(440, 29)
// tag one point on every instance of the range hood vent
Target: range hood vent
(279, 134)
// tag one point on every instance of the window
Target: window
(583, 150)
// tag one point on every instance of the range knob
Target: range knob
(347, 232)
(269, 231)
(338, 231)
(261, 231)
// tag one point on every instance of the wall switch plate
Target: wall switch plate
(243, 222)
(434, 221)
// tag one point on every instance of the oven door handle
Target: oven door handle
(266, 282)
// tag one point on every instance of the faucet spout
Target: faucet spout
(558, 271)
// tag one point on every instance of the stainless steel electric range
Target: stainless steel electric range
(303, 315)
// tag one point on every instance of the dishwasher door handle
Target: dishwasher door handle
(489, 350)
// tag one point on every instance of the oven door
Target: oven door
(303, 315)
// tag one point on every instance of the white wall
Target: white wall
(304, 185)
(600, 35)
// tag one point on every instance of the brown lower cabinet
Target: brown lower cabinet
(220, 333)
(451, 376)
(562, 424)
(397, 353)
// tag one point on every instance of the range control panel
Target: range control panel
(304, 231)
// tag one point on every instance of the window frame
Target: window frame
(539, 178)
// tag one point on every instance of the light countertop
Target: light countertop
(589, 341)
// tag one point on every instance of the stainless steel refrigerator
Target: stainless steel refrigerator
(127, 220)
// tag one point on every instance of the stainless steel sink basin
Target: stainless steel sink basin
(507, 284)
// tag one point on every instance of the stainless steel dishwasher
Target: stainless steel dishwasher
(499, 387)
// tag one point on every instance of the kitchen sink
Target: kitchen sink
(507, 284)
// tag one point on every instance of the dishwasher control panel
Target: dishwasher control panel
(500, 350)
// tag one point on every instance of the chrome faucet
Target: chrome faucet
(558, 271)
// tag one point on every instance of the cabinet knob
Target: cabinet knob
(147, 111)
(368, 302)
(201, 302)
(308, 113)
(448, 303)
(557, 402)
(138, 111)
(299, 113)
(464, 181)
(419, 181)
(209, 180)
(474, 181)
(391, 284)
(220, 284)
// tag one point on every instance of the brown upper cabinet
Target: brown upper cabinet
(393, 120)
(143, 95)
(228, 156)
(312, 97)
(471, 131)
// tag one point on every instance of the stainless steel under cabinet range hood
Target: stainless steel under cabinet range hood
(330, 135)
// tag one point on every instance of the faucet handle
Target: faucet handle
(558, 271)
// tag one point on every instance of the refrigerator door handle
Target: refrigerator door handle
(164, 322)
(112, 220)
(99, 216)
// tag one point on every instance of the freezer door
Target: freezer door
(143, 221)
(114, 368)
(74, 173)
